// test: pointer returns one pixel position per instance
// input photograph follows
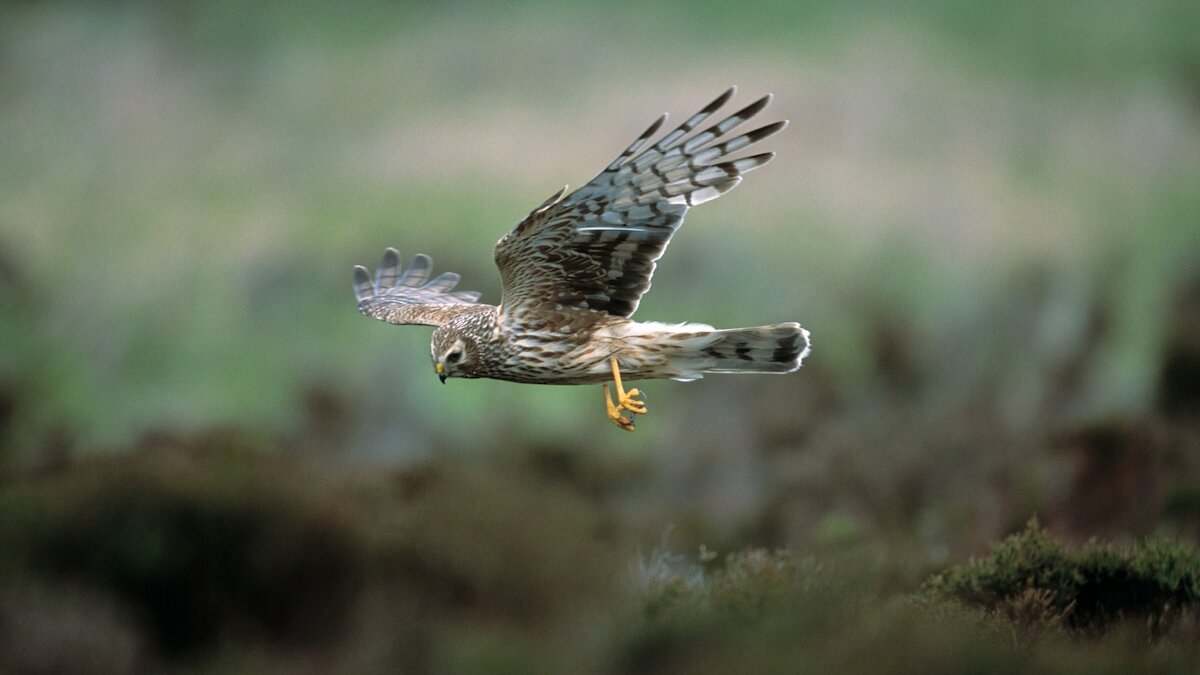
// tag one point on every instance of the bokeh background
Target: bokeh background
(988, 215)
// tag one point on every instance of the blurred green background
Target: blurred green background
(185, 185)
(988, 215)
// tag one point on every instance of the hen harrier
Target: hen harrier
(574, 270)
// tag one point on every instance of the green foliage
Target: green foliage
(1030, 578)
(775, 612)
(223, 551)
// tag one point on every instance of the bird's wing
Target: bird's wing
(596, 248)
(407, 295)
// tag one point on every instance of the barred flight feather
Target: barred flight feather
(566, 250)
(406, 295)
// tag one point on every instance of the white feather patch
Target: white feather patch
(635, 329)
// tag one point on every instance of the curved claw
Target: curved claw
(614, 411)
(630, 403)
(626, 400)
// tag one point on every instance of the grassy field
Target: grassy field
(986, 213)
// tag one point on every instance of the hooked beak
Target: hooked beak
(441, 371)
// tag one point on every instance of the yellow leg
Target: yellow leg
(625, 401)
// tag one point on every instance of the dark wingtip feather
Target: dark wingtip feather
(720, 100)
(362, 283)
(756, 107)
(768, 130)
(638, 142)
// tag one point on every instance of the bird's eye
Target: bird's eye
(453, 357)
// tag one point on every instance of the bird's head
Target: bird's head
(454, 353)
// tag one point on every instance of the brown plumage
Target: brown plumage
(575, 269)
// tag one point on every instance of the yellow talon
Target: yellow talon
(625, 401)
(614, 413)
(628, 402)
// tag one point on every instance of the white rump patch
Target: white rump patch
(650, 327)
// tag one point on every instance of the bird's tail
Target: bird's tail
(779, 348)
(763, 349)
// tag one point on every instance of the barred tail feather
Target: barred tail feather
(779, 348)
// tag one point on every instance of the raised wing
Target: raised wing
(406, 295)
(597, 248)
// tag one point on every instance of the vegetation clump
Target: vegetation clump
(1038, 582)
(742, 584)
